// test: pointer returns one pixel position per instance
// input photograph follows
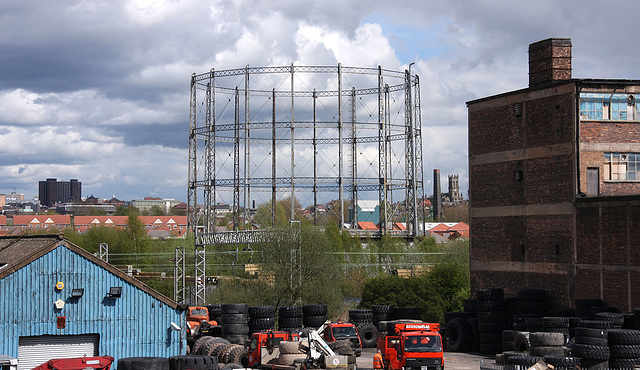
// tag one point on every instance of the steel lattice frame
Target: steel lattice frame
(239, 117)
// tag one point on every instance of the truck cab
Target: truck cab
(413, 346)
(199, 325)
(263, 346)
(343, 331)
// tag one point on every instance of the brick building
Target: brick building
(555, 184)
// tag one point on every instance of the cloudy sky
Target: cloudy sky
(98, 90)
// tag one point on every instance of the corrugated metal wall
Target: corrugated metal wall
(137, 324)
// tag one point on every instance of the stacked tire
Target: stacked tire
(261, 318)
(555, 324)
(532, 301)
(591, 346)
(367, 330)
(143, 363)
(290, 352)
(235, 322)
(491, 319)
(205, 346)
(314, 315)
(584, 305)
(624, 348)
(290, 318)
(546, 344)
(215, 311)
(407, 313)
(380, 313)
(616, 319)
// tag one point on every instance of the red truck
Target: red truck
(333, 331)
(80, 363)
(263, 346)
(412, 346)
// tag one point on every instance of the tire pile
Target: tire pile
(314, 315)
(221, 349)
(290, 318)
(368, 331)
(235, 322)
(491, 319)
(261, 318)
(171, 363)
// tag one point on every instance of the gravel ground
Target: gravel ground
(452, 360)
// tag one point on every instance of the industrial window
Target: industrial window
(615, 107)
(621, 166)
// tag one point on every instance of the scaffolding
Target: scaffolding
(268, 134)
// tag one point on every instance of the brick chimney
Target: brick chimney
(549, 62)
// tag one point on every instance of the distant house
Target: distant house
(164, 226)
(84, 223)
(367, 211)
(56, 298)
(45, 222)
(367, 225)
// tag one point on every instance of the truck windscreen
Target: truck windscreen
(422, 343)
(343, 332)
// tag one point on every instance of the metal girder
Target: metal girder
(234, 237)
(179, 282)
(103, 254)
(200, 274)
(297, 69)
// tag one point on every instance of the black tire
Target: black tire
(490, 294)
(261, 311)
(555, 322)
(342, 347)
(596, 324)
(617, 319)
(592, 341)
(368, 335)
(562, 312)
(624, 363)
(234, 318)
(411, 313)
(215, 350)
(261, 323)
(290, 323)
(490, 348)
(314, 321)
(234, 329)
(459, 335)
(589, 332)
(239, 355)
(538, 307)
(314, 310)
(377, 317)
(509, 335)
(546, 339)
(470, 305)
(289, 311)
(623, 336)
(448, 316)
(521, 341)
(491, 316)
(624, 351)
(193, 363)
(361, 315)
(238, 339)
(586, 363)
(234, 308)
(199, 343)
(586, 303)
(590, 352)
(143, 363)
(522, 361)
(546, 350)
(490, 306)
(380, 309)
(507, 345)
(491, 338)
(492, 327)
(563, 361)
(532, 295)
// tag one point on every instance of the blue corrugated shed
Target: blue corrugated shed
(136, 324)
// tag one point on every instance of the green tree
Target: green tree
(157, 211)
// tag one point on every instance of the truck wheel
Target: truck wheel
(239, 355)
(214, 351)
(143, 363)
(458, 335)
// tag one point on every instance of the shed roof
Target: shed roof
(18, 251)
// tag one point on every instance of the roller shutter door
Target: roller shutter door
(33, 351)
